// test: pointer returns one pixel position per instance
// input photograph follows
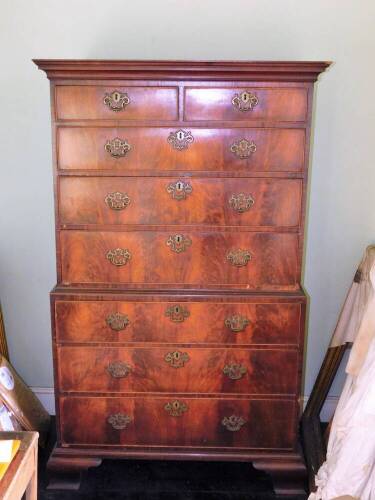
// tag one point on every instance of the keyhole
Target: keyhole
(245, 97)
(116, 96)
(180, 135)
(178, 238)
(177, 310)
(179, 186)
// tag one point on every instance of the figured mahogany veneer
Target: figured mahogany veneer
(273, 264)
(82, 148)
(199, 426)
(275, 202)
(178, 318)
(199, 322)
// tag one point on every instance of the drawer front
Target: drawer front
(216, 423)
(177, 369)
(241, 104)
(87, 102)
(177, 322)
(266, 261)
(150, 200)
(244, 150)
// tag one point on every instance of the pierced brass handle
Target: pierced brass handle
(117, 321)
(119, 369)
(178, 242)
(233, 423)
(245, 101)
(177, 359)
(234, 371)
(177, 313)
(116, 100)
(243, 148)
(241, 202)
(236, 323)
(239, 257)
(119, 256)
(117, 147)
(176, 408)
(179, 190)
(181, 139)
(119, 421)
(117, 200)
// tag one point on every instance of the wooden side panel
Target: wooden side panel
(267, 423)
(265, 323)
(88, 369)
(273, 264)
(275, 202)
(85, 102)
(278, 104)
(277, 150)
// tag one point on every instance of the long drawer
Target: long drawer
(267, 261)
(105, 102)
(178, 422)
(150, 200)
(177, 369)
(177, 322)
(190, 149)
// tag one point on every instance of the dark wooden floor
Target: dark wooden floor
(152, 480)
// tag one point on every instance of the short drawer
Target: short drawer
(188, 149)
(88, 102)
(258, 261)
(178, 422)
(246, 103)
(151, 200)
(177, 322)
(177, 369)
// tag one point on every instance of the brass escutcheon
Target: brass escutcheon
(178, 242)
(241, 202)
(117, 147)
(243, 148)
(116, 100)
(179, 190)
(177, 359)
(245, 101)
(119, 369)
(239, 257)
(119, 256)
(117, 321)
(236, 323)
(117, 200)
(177, 313)
(233, 423)
(119, 421)
(176, 408)
(234, 371)
(181, 139)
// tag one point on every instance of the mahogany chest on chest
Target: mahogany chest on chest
(178, 316)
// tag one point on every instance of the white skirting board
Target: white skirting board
(46, 396)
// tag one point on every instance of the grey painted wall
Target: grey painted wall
(341, 218)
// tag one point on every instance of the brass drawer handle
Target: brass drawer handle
(117, 321)
(177, 313)
(245, 101)
(243, 148)
(176, 408)
(179, 190)
(119, 421)
(116, 100)
(117, 147)
(236, 323)
(233, 423)
(119, 256)
(177, 359)
(181, 139)
(241, 202)
(119, 369)
(178, 242)
(234, 371)
(239, 257)
(117, 200)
